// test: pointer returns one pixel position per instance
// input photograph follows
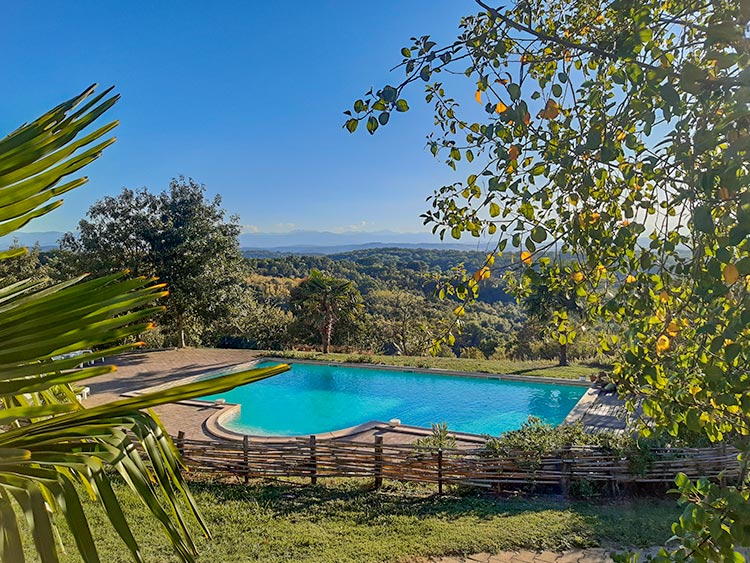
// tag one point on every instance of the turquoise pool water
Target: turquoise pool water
(314, 398)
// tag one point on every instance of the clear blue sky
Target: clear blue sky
(246, 97)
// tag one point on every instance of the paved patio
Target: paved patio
(593, 555)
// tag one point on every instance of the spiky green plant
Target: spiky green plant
(52, 449)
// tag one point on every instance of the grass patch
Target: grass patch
(344, 522)
(533, 368)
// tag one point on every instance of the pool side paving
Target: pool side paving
(141, 370)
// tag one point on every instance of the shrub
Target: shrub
(472, 353)
(440, 439)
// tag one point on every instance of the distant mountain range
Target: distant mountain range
(293, 242)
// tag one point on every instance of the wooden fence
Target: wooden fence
(315, 459)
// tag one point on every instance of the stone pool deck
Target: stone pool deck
(140, 370)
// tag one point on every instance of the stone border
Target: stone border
(213, 424)
(435, 371)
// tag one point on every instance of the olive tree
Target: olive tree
(605, 145)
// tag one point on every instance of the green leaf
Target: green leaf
(702, 219)
(514, 90)
(402, 106)
(351, 125)
(372, 125)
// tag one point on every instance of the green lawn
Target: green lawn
(534, 368)
(343, 522)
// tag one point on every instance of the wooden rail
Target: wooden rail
(320, 458)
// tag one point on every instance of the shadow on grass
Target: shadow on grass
(636, 522)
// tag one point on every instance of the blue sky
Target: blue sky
(246, 97)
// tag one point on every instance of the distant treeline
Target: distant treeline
(380, 268)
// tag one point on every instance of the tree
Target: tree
(403, 320)
(49, 442)
(551, 305)
(177, 235)
(323, 303)
(609, 146)
(24, 266)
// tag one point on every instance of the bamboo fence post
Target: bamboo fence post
(313, 461)
(180, 443)
(566, 472)
(440, 470)
(378, 461)
(245, 457)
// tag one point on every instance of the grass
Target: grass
(344, 522)
(532, 368)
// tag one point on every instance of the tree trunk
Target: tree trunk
(328, 334)
(563, 355)
(180, 333)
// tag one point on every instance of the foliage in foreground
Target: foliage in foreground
(606, 145)
(346, 522)
(53, 451)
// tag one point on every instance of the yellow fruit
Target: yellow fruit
(526, 257)
(662, 344)
(673, 328)
(730, 273)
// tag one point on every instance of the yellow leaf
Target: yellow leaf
(526, 257)
(621, 135)
(527, 118)
(673, 329)
(478, 96)
(492, 229)
(600, 18)
(494, 209)
(490, 259)
(459, 311)
(577, 277)
(664, 296)
(724, 194)
(630, 279)
(501, 107)
(730, 273)
(662, 344)
(514, 153)
(594, 217)
(550, 111)
(568, 56)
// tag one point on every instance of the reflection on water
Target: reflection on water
(315, 398)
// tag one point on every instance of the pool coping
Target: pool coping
(213, 423)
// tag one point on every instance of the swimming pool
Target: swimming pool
(316, 398)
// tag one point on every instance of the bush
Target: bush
(440, 439)
(472, 353)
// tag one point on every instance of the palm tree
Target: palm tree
(323, 302)
(52, 448)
